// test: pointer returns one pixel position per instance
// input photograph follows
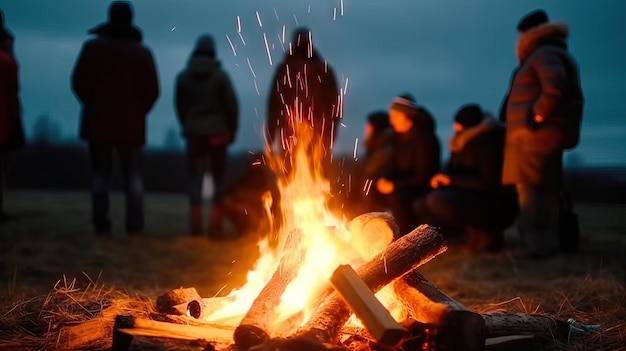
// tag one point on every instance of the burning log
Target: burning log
(126, 327)
(376, 229)
(401, 256)
(253, 328)
(374, 316)
(503, 324)
(457, 327)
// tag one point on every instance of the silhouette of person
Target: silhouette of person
(542, 112)
(207, 110)
(115, 81)
(11, 129)
(304, 104)
(467, 195)
(416, 153)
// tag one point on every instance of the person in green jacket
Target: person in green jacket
(207, 109)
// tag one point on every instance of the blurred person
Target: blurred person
(11, 129)
(415, 158)
(467, 195)
(304, 105)
(116, 82)
(207, 109)
(378, 136)
(542, 111)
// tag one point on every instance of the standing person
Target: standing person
(467, 195)
(11, 130)
(304, 104)
(416, 153)
(542, 111)
(207, 110)
(116, 82)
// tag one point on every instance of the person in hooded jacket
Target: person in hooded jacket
(207, 109)
(415, 158)
(542, 112)
(116, 82)
(304, 105)
(11, 129)
(467, 195)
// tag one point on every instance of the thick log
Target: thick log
(542, 326)
(374, 316)
(509, 343)
(369, 230)
(408, 252)
(126, 327)
(254, 327)
(374, 229)
(166, 303)
(458, 328)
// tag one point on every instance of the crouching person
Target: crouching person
(468, 194)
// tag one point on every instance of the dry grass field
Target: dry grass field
(50, 260)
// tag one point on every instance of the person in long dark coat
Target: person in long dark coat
(415, 154)
(11, 129)
(542, 112)
(116, 82)
(467, 195)
(304, 105)
(208, 111)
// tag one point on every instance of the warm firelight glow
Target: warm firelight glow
(313, 234)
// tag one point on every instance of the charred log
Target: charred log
(503, 324)
(458, 328)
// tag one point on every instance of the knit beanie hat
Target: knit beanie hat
(532, 19)
(205, 44)
(405, 103)
(379, 120)
(469, 115)
(120, 12)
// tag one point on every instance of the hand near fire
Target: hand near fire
(385, 186)
(439, 180)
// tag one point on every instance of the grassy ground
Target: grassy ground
(53, 243)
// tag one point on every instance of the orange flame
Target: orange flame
(322, 244)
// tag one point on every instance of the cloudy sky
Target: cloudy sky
(444, 52)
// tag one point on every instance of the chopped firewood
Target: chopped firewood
(166, 303)
(458, 328)
(503, 324)
(408, 252)
(253, 328)
(126, 327)
(374, 316)
(203, 307)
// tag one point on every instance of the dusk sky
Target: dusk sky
(445, 52)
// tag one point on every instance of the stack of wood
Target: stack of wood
(435, 320)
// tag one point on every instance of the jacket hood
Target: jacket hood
(202, 65)
(459, 140)
(530, 40)
(117, 31)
